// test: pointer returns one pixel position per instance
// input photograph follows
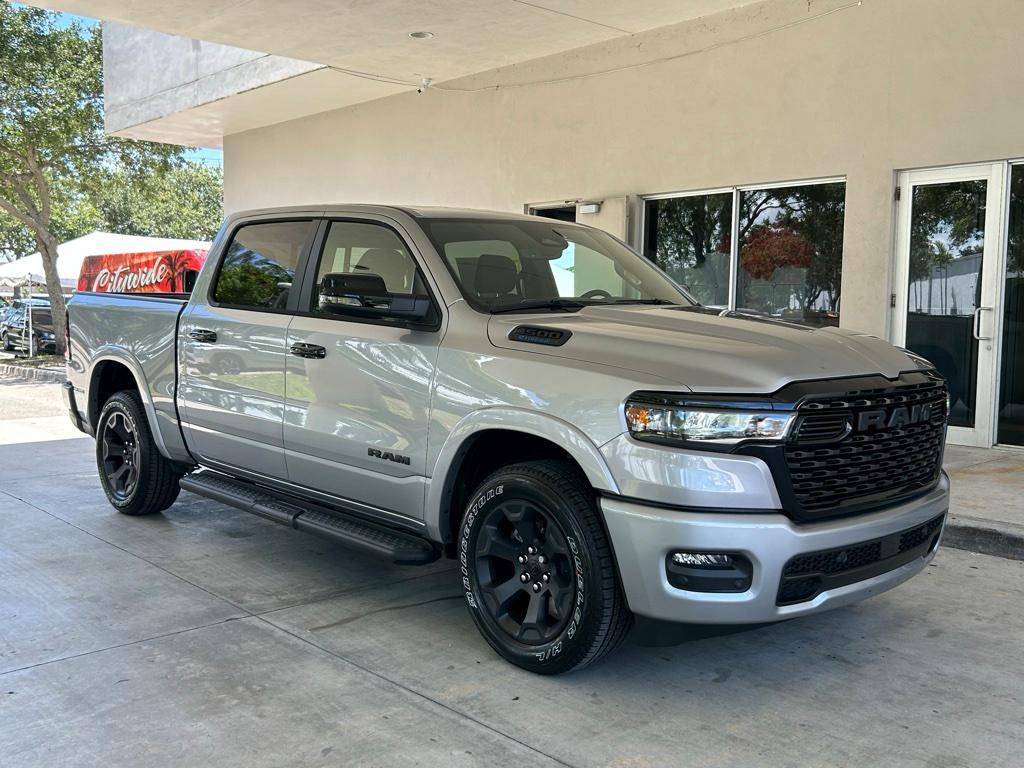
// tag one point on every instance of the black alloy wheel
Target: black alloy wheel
(537, 568)
(525, 571)
(120, 455)
(136, 477)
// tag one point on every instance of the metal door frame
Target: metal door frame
(987, 330)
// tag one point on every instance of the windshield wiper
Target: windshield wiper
(641, 301)
(573, 305)
(565, 305)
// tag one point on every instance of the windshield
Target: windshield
(505, 266)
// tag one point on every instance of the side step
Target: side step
(401, 547)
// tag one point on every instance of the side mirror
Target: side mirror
(364, 294)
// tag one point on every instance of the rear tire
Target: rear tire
(136, 477)
(8, 347)
(537, 569)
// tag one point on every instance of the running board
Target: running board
(402, 548)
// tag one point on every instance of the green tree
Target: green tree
(15, 240)
(54, 154)
(185, 202)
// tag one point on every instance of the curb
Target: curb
(987, 537)
(32, 374)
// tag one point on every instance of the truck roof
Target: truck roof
(417, 211)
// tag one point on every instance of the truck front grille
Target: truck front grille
(865, 448)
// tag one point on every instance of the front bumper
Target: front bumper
(643, 536)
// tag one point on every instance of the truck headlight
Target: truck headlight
(705, 423)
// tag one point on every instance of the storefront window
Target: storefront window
(790, 248)
(791, 252)
(688, 237)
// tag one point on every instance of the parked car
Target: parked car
(14, 329)
(417, 383)
(19, 304)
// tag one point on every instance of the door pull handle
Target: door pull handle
(203, 336)
(309, 351)
(977, 323)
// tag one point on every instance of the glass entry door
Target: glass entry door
(1010, 419)
(948, 285)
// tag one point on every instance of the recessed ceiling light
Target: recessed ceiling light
(421, 35)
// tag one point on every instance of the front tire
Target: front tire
(136, 477)
(537, 569)
(8, 347)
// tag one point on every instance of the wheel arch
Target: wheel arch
(503, 436)
(114, 370)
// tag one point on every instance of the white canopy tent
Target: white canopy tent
(72, 253)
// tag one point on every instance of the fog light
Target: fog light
(709, 571)
(701, 560)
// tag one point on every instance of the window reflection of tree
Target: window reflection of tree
(791, 248)
(250, 279)
(689, 239)
(947, 225)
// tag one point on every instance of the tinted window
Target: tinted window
(688, 237)
(791, 252)
(790, 248)
(1011, 393)
(259, 265)
(360, 248)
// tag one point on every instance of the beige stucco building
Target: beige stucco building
(846, 161)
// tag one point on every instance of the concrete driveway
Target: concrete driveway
(207, 637)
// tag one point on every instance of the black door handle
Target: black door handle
(203, 335)
(312, 351)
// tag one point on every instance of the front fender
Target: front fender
(563, 434)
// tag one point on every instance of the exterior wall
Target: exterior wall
(785, 90)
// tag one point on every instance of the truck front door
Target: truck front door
(233, 348)
(359, 388)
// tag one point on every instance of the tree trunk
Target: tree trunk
(58, 309)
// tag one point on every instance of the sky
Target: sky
(207, 156)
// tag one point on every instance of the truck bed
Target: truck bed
(140, 332)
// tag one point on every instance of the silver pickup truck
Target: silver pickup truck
(530, 398)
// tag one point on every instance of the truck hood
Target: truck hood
(705, 352)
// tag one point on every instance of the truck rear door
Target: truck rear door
(233, 347)
(359, 388)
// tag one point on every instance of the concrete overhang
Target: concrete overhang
(164, 84)
(173, 89)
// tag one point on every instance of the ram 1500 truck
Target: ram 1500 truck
(531, 398)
